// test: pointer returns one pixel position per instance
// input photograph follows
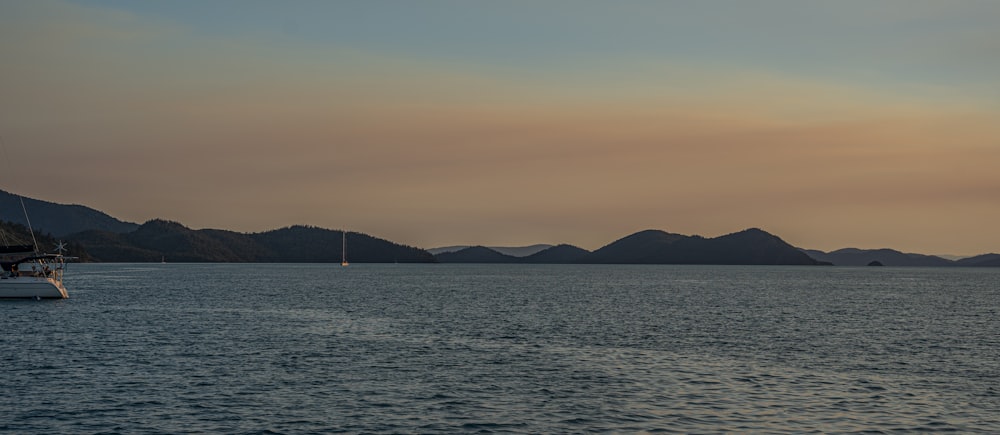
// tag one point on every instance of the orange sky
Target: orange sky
(142, 114)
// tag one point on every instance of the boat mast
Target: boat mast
(343, 248)
(31, 231)
(6, 160)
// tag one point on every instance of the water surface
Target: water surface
(227, 348)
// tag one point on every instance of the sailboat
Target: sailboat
(343, 249)
(30, 275)
(26, 273)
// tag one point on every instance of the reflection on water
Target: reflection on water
(460, 348)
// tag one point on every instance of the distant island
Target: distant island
(750, 247)
(96, 236)
(891, 257)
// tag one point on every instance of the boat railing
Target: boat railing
(40, 269)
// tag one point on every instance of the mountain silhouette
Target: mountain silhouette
(94, 235)
(313, 244)
(750, 247)
(559, 254)
(59, 220)
(985, 260)
(513, 251)
(475, 254)
(887, 257)
(160, 239)
(18, 238)
(636, 248)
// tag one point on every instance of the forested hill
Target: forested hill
(748, 247)
(58, 219)
(160, 239)
(12, 234)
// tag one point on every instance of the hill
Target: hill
(160, 239)
(636, 248)
(887, 257)
(513, 251)
(475, 254)
(59, 220)
(560, 254)
(312, 244)
(750, 247)
(17, 234)
(985, 260)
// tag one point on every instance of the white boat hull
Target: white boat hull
(29, 287)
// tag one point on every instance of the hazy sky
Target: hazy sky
(830, 123)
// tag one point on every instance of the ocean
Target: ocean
(320, 348)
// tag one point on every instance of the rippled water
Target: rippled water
(499, 348)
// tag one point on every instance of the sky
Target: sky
(852, 123)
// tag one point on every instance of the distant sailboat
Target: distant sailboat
(343, 249)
